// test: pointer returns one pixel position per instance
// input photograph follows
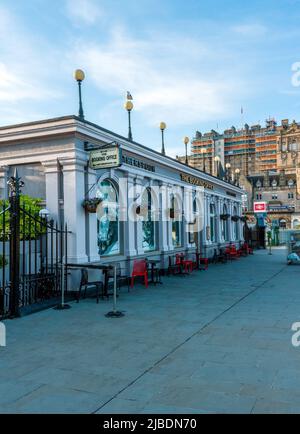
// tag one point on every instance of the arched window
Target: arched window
(225, 224)
(176, 222)
(148, 223)
(296, 224)
(282, 223)
(212, 220)
(235, 225)
(108, 219)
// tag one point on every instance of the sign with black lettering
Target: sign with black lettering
(105, 158)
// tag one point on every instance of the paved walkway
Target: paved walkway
(215, 341)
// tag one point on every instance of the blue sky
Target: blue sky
(190, 63)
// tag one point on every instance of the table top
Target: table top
(95, 265)
(153, 261)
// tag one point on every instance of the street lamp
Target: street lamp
(186, 141)
(162, 127)
(228, 167)
(79, 77)
(237, 176)
(129, 106)
(217, 161)
(44, 213)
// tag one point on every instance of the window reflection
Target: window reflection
(108, 219)
(148, 223)
(176, 224)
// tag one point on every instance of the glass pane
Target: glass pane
(148, 225)
(176, 233)
(108, 222)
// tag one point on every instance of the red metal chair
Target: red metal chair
(205, 262)
(186, 263)
(139, 270)
(248, 249)
(231, 252)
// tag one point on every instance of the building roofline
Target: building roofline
(105, 130)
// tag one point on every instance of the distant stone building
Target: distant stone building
(267, 159)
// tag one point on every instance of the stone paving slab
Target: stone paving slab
(218, 341)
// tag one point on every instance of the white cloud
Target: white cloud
(24, 71)
(84, 11)
(166, 76)
(251, 29)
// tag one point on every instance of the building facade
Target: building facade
(268, 159)
(53, 158)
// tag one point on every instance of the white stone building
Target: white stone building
(53, 161)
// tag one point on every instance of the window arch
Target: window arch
(148, 225)
(296, 224)
(108, 218)
(225, 231)
(176, 222)
(235, 225)
(212, 220)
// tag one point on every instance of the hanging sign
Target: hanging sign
(105, 158)
(260, 207)
(196, 181)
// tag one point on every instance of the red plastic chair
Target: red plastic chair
(234, 254)
(139, 270)
(204, 261)
(248, 249)
(186, 263)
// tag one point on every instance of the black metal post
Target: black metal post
(129, 126)
(15, 185)
(80, 113)
(186, 156)
(162, 143)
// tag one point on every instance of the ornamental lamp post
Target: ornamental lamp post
(217, 161)
(129, 106)
(79, 76)
(237, 176)
(228, 167)
(162, 127)
(186, 141)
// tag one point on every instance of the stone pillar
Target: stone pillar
(219, 238)
(91, 220)
(163, 218)
(52, 173)
(169, 222)
(139, 223)
(74, 213)
(206, 218)
(130, 225)
(3, 182)
(240, 223)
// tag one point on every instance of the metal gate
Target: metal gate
(32, 249)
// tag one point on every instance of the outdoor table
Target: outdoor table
(95, 266)
(153, 263)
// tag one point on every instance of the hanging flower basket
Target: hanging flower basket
(224, 216)
(244, 218)
(90, 205)
(235, 218)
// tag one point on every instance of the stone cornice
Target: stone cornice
(69, 125)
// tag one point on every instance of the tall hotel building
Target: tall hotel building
(268, 160)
